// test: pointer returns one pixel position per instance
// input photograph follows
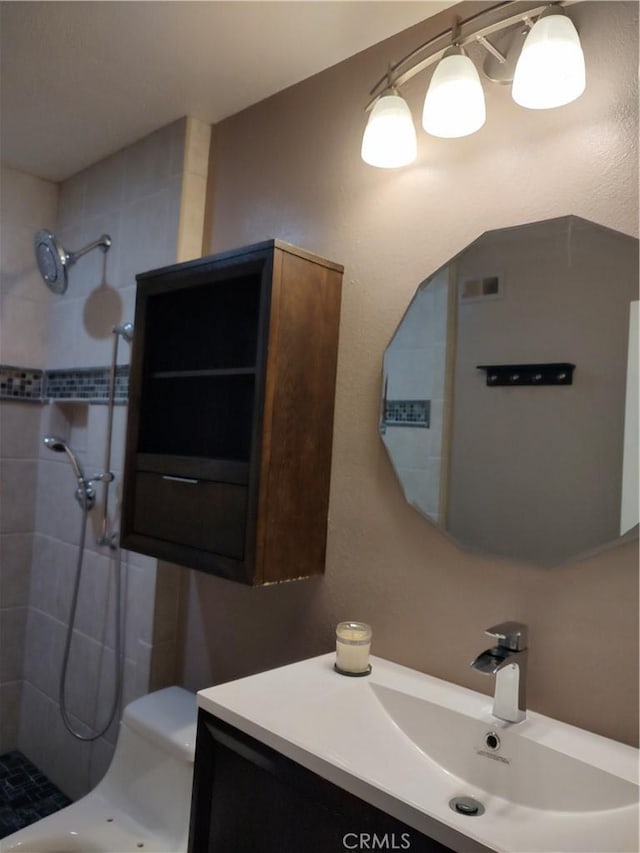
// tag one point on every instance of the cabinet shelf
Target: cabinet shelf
(204, 373)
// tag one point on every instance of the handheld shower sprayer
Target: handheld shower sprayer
(86, 496)
(85, 492)
(59, 446)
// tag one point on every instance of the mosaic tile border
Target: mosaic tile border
(21, 383)
(90, 384)
(86, 384)
(407, 413)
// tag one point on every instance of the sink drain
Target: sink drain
(466, 806)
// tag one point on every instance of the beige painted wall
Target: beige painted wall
(289, 167)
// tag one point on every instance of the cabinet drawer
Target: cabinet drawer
(197, 513)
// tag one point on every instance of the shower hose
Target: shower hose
(117, 640)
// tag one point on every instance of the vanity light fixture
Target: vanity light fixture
(389, 139)
(454, 104)
(544, 60)
(550, 72)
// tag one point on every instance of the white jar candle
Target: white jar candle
(353, 642)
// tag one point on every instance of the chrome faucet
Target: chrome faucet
(508, 662)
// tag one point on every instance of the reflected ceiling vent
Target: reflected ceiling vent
(475, 289)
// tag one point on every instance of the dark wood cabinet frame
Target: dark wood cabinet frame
(249, 798)
(261, 518)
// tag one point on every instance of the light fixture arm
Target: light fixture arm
(473, 29)
(493, 50)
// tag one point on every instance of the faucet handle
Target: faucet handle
(510, 635)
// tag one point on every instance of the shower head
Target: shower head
(53, 443)
(54, 261)
(59, 446)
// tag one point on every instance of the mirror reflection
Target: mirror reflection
(529, 456)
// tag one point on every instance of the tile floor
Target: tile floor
(26, 794)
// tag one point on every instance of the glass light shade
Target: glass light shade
(389, 138)
(454, 104)
(550, 71)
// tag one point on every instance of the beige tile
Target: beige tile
(198, 141)
(24, 331)
(53, 421)
(93, 610)
(64, 320)
(36, 723)
(191, 223)
(69, 421)
(149, 234)
(57, 513)
(177, 133)
(10, 697)
(12, 636)
(43, 652)
(97, 266)
(71, 201)
(44, 575)
(105, 185)
(101, 755)
(81, 687)
(19, 274)
(97, 436)
(100, 313)
(148, 164)
(28, 200)
(77, 416)
(15, 568)
(128, 693)
(18, 489)
(70, 758)
(109, 616)
(128, 294)
(19, 430)
(66, 562)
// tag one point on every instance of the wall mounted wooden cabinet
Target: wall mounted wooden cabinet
(231, 413)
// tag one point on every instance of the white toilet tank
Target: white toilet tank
(151, 773)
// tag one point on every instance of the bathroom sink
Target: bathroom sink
(411, 745)
(508, 760)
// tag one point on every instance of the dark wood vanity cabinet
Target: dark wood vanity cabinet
(231, 413)
(249, 798)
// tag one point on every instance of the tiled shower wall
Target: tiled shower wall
(137, 197)
(25, 202)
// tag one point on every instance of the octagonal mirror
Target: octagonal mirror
(510, 408)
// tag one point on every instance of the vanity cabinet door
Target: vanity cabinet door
(248, 798)
(230, 424)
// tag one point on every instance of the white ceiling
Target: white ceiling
(81, 80)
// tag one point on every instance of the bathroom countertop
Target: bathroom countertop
(337, 728)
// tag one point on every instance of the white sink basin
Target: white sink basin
(522, 769)
(409, 743)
